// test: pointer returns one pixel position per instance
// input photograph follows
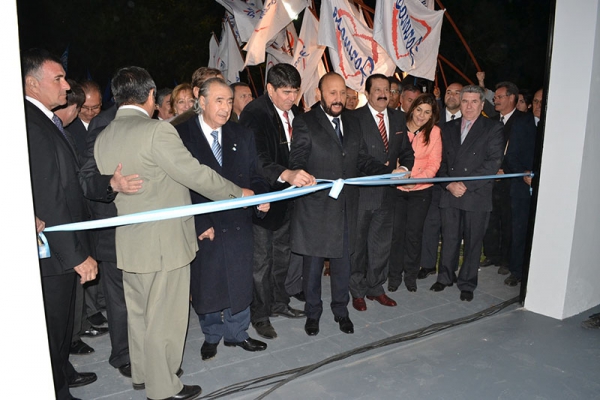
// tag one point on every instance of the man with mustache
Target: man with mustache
(383, 130)
(328, 144)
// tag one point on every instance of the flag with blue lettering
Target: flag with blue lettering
(307, 57)
(246, 16)
(410, 32)
(353, 52)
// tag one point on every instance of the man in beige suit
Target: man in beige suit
(155, 256)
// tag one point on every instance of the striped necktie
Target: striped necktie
(216, 147)
(382, 131)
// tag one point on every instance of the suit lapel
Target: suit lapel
(474, 133)
(326, 124)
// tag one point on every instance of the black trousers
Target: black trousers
(468, 226)
(432, 230)
(59, 304)
(496, 243)
(339, 269)
(116, 313)
(520, 219)
(409, 217)
(270, 263)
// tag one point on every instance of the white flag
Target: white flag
(231, 19)
(276, 15)
(410, 33)
(429, 4)
(285, 41)
(354, 53)
(246, 16)
(229, 60)
(213, 52)
(307, 57)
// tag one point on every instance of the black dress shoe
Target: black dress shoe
(289, 312)
(98, 319)
(142, 386)
(248, 345)
(299, 296)
(392, 288)
(94, 332)
(208, 350)
(465, 295)
(79, 347)
(346, 325)
(311, 327)
(486, 263)
(188, 392)
(265, 329)
(411, 287)
(438, 287)
(512, 280)
(82, 379)
(503, 270)
(125, 370)
(424, 273)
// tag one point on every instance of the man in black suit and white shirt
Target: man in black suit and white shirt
(58, 199)
(384, 132)
(472, 146)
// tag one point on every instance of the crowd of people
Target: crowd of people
(207, 141)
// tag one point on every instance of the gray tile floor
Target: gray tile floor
(514, 354)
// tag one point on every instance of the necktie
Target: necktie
(59, 125)
(502, 118)
(338, 131)
(287, 120)
(216, 147)
(452, 117)
(464, 132)
(382, 131)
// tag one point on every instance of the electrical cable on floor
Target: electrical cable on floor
(269, 380)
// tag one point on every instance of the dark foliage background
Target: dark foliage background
(170, 37)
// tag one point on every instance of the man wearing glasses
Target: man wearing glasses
(91, 107)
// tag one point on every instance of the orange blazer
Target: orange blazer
(427, 157)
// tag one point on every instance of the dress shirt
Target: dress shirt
(207, 130)
(331, 121)
(285, 123)
(449, 115)
(42, 107)
(386, 120)
(507, 116)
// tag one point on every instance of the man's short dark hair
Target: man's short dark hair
(409, 87)
(131, 85)
(369, 81)
(32, 60)
(284, 75)
(511, 89)
(76, 94)
(161, 94)
(202, 74)
(395, 80)
(235, 85)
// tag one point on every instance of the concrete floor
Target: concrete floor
(514, 354)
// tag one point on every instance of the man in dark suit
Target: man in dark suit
(473, 146)
(328, 144)
(242, 95)
(433, 221)
(221, 283)
(58, 199)
(90, 108)
(270, 117)
(384, 132)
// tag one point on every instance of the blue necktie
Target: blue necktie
(338, 131)
(216, 148)
(59, 125)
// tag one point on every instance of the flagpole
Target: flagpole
(460, 36)
(458, 71)
(443, 74)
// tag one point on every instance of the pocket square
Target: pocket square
(399, 132)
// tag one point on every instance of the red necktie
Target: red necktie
(287, 120)
(382, 131)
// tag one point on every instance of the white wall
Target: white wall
(24, 343)
(566, 244)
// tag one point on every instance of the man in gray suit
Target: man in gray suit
(155, 256)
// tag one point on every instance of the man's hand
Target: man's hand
(527, 179)
(128, 184)
(298, 177)
(500, 172)
(457, 189)
(208, 234)
(39, 225)
(437, 93)
(247, 192)
(265, 207)
(481, 78)
(87, 270)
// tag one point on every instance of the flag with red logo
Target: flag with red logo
(354, 53)
(228, 58)
(307, 57)
(276, 15)
(410, 32)
(246, 16)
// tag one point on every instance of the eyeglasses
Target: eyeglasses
(394, 91)
(500, 97)
(92, 108)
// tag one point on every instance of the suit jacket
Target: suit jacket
(520, 151)
(95, 188)
(480, 154)
(79, 134)
(399, 148)
(273, 152)
(317, 225)
(57, 195)
(154, 150)
(222, 269)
